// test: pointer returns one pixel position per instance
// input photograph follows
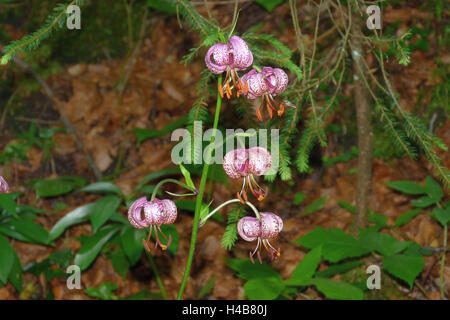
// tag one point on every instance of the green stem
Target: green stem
(198, 202)
(155, 191)
(443, 263)
(158, 278)
(202, 222)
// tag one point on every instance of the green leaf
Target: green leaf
(433, 188)
(407, 187)
(187, 176)
(263, 288)
(157, 175)
(206, 288)
(170, 230)
(407, 217)
(15, 276)
(306, 268)
(8, 203)
(269, 5)
(6, 258)
(337, 245)
(119, 261)
(441, 215)
(299, 198)
(131, 239)
(247, 270)
(337, 290)
(92, 246)
(382, 242)
(166, 6)
(424, 202)
(405, 267)
(104, 291)
(103, 210)
(339, 268)
(76, 216)
(316, 205)
(144, 134)
(102, 187)
(56, 187)
(31, 230)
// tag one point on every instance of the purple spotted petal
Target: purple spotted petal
(137, 218)
(260, 160)
(155, 210)
(4, 188)
(170, 211)
(281, 81)
(256, 85)
(242, 56)
(249, 228)
(235, 163)
(217, 58)
(271, 225)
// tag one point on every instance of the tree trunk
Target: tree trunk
(364, 117)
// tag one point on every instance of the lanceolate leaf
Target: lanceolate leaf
(306, 268)
(102, 187)
(337, 290)
(74, 217)
(6, 259)
(132, 243)
(407, 187)
(103, 210)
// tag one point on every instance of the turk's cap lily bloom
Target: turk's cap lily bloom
(153, 214)
(251, 229)
(4, 188)
(230, 57)
(247, 163)
(267, 84)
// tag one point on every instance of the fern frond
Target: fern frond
(195, 20)
(230, 235)
(307, 141)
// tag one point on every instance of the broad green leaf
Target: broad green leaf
(187, 176)
(263, 288)
(6, 259)
(269, 5)
(31, 230)
(337, 245)
(76, 216)
(306, 268)
(102, 187)
(407, 187)
(119, 261)
(441, 215)
(92, 246)
(407, 217)
(15, 276)
(405, 267)
(299, 198)
(424, 202)
(316, 205)
(382, 242)
(337, 290)
(247, 270)
(166, 6)
(131, 239)
(56, 187)
(8, 203)
(433, 188)
(10, 231)
(336, 269)
(104, 291)
(103, 210)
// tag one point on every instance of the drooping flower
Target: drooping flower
(231, 57)
(266, 84)
(247, 163)
(251, 229)
(153, 214)
(4, 188)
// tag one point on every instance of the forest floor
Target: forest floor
(157, 90)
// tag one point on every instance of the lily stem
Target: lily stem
(198, 202)
(158, 186)
(157, 277)
(442, 283)
(202, 222)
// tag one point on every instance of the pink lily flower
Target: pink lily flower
(251, 229)
(247, 163)
(231, 57)
(4, 188)
(153, 214)
(266, 84)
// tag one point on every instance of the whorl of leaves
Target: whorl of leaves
(230, 236)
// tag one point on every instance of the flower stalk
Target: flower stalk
(203, 221)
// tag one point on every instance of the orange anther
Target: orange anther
(281, 111)
(221, 91)
(240, 198)
(258, 114)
